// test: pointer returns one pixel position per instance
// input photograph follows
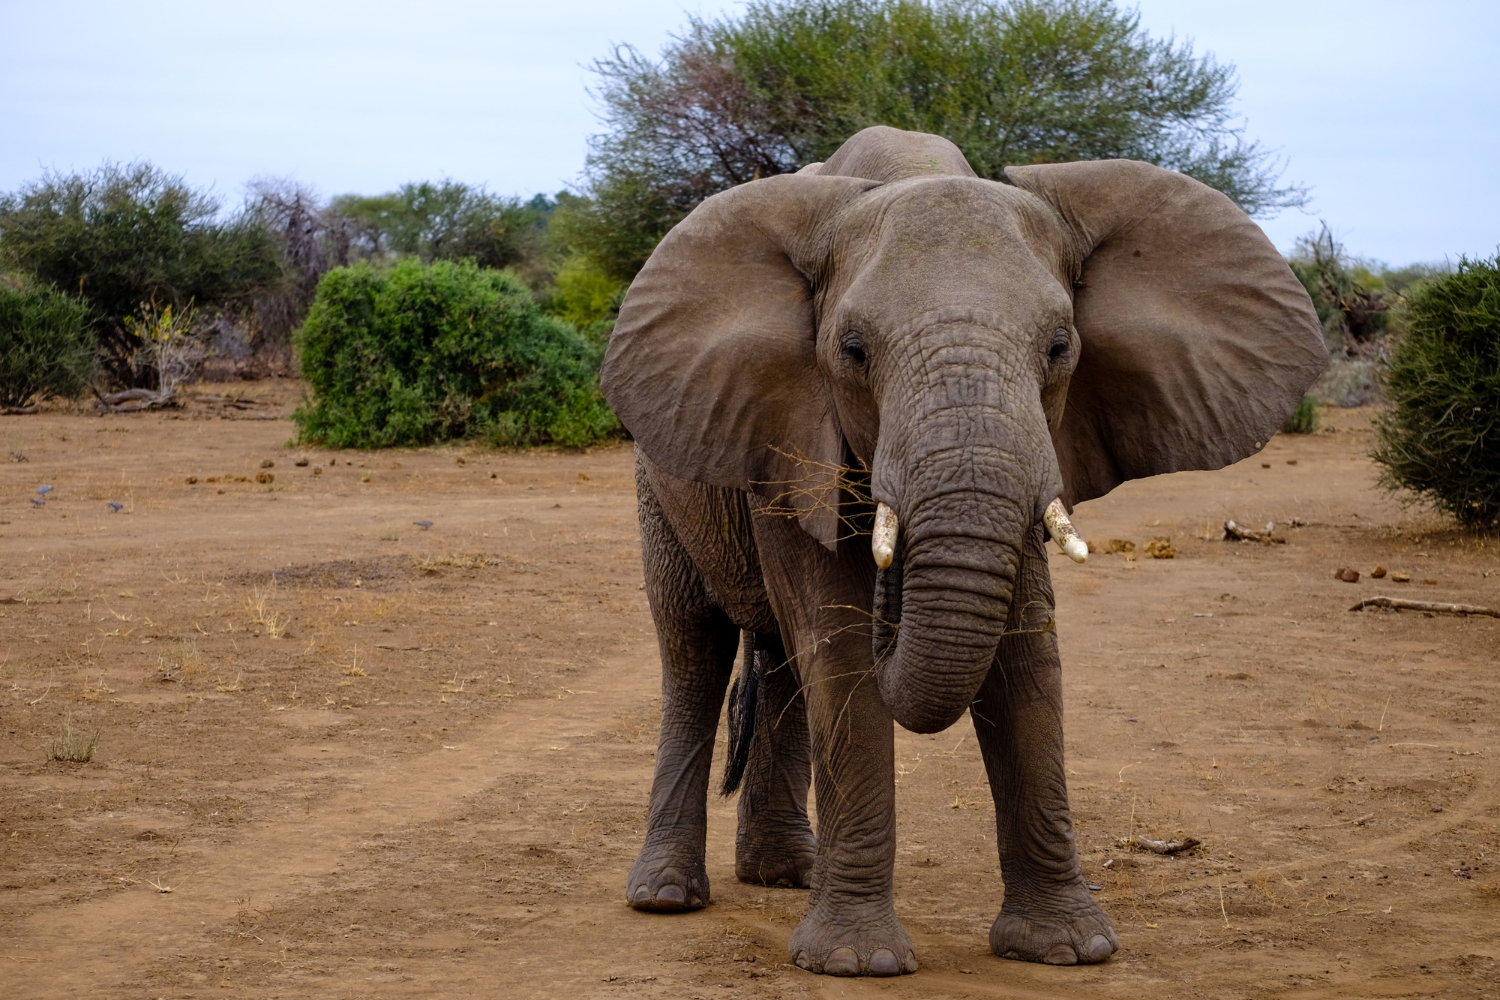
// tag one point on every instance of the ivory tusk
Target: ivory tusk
(1063, 533)
(883, 541)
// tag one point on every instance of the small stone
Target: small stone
(1346, 574)
(1265, 465)
(1430, 582)
(301, 463)
(1377, 572)
(1291, 461)
(1400, 577)
(191, 480)
(267, 464)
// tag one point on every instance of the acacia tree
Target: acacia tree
(1008, 81)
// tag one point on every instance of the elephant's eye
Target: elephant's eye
(854, 350)
(1059, 348)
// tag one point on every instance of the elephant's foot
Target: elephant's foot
(1073, 932)
(853, 939)
(783, 859)
(667, 879)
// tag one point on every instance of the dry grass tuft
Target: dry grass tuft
(71, 748)
(274, 624)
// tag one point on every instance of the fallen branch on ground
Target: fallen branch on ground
(136, 399)
(1401, 603)
(17, 410)
(1161, 846)
(1236, 533)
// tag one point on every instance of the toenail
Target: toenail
(1061, 955)
(642, 894)
(802, 960)
(883, 963)
(1097, 949)
(842, 961)
(911, 962)
(671, 894)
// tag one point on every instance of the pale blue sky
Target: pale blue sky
(1389, 110)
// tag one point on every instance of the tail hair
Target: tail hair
(744, 693)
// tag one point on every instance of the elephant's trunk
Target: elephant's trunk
(965, 468)
(944, 600)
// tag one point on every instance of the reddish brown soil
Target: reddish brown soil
(342, 756)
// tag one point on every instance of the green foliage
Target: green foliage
(1441, 436)
(421, 353)
(785, 82)
(446, 221)
(121, 235)
(584, 295)
(1304, 419)
(45, 345)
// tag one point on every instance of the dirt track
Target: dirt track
(373, 759)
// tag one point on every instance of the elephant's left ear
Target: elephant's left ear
(1198, 340)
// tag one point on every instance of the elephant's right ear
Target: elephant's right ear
(713, 362)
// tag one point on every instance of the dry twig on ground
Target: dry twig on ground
(1439, 607)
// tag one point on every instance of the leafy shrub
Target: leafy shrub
(585, 296)
(122, 235)
(1304, 419)
(45, 345)
(1441, 436)
(430, 352)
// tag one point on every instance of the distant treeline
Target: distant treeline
(122, 235)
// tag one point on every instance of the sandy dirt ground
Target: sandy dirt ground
(343, 754)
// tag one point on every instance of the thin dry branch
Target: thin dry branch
(1437, 607)
(1161, 846)
(821, 491)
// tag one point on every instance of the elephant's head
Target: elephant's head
(981, 348)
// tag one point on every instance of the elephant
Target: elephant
(858, 394)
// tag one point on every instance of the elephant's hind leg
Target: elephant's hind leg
(775, 845)
(698, 644)
(1048, 914)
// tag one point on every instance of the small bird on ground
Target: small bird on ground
(424, 525)
(44, 490)
(116, 506)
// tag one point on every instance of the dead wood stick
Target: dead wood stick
(1162, 846)
(1440, 607)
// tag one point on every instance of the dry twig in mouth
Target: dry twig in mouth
(1439, 607)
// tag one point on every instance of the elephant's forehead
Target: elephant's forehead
(953, 226)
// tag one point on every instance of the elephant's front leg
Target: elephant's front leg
(698, 644)
(851, 927)
(1048, 914)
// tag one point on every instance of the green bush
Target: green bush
(1304, 419)
(122, 235)
(46, 348)
(430, 352)
(1440, 438)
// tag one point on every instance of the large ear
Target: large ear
(713, 364)
(1197, 338)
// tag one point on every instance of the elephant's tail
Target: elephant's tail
(744, 693)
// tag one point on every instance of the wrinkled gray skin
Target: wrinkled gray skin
(978, 349)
